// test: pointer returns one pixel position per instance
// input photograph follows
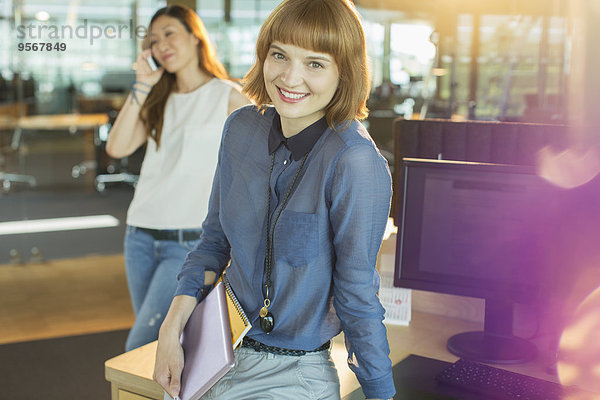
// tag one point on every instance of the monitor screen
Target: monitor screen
(479, 230)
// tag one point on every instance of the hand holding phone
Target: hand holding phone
(152, 63)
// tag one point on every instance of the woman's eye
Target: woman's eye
(278, 56)
(314, 64)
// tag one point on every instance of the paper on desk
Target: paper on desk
(396, 301)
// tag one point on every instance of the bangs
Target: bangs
(325, 26)
(309, 26)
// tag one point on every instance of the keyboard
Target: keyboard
(495, 383)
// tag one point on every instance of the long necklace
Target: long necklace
(267, 322)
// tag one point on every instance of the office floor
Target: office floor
(63, 298)
(74, 281)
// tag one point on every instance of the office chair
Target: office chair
(108, 170)
(478, 141)
(117, 171)
(8, 124)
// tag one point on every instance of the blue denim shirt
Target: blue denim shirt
(325, 241)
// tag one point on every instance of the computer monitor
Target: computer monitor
(478, 230)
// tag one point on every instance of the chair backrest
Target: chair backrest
(479, 141)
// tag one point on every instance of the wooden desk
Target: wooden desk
(61, 122)
(57, 122)
(130, 374)
(7, 122)
(70, 122)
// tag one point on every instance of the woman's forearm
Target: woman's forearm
(127, 133)
(177, 316)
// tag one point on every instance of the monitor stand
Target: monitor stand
(496, 344)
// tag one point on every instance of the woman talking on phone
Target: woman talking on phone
(178, 110)
(299, 205)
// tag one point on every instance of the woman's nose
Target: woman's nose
(291, 75)
(161, 45)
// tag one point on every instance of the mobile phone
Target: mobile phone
(152, 63)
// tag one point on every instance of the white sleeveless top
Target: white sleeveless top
(175, 180)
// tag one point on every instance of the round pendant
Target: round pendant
(263, 312)
(267, 322)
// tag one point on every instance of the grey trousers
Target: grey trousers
(262, 376)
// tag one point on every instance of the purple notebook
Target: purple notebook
(207, 347)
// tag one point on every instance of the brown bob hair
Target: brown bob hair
(325, 26)
(152, 112)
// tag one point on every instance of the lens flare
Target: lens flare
(568, 168)
(579, 348)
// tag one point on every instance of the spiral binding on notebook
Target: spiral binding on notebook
(235, 301)
(240, 324)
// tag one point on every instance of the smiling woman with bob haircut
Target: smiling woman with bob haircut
(299, 204)
(312, 29)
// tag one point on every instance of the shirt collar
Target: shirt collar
(299, 144)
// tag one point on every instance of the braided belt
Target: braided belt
(258, 346)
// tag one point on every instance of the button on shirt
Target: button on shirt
(325, 241)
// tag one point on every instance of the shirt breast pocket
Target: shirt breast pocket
(296, 239)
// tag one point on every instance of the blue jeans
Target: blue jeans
(152, 267)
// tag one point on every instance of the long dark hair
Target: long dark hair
(152, 112)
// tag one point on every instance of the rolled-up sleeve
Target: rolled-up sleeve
(360, 203)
